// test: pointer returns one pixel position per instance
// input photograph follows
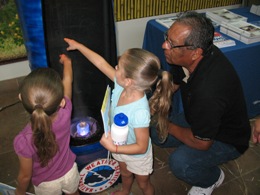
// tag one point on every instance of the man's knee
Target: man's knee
(177, 164)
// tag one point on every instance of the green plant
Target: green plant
(11, 39)
(10, 50)
(10, 24)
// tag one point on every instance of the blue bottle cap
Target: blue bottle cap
(121, 119)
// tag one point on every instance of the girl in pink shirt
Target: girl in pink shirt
(43, 145)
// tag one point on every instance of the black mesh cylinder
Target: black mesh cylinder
(90, 22)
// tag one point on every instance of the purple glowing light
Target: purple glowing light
(83, 128)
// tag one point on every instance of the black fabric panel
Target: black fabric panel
(90, 22)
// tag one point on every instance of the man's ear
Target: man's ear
(197, 53)
(62, 103)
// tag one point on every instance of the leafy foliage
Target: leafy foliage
(10, 29)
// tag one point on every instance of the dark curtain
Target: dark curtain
(90, 22)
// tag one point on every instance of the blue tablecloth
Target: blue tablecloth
(244, 57)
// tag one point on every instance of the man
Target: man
(214, 128)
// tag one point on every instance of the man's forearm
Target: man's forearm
(186, 136)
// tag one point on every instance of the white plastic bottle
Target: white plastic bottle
(119, 129)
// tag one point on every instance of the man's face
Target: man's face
(176, 36)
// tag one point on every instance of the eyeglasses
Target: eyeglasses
(169, 43)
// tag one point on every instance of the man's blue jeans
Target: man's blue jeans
(195, 167)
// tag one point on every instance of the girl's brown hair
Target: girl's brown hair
(41, 94)
(144, 68)
(160, 104)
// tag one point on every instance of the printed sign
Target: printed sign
(99, 175)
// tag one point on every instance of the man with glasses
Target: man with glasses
(214, 127)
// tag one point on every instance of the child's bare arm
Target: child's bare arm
(256, 131)
(24, 175)
(93, 57)
(67, 75)
(140, 147)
